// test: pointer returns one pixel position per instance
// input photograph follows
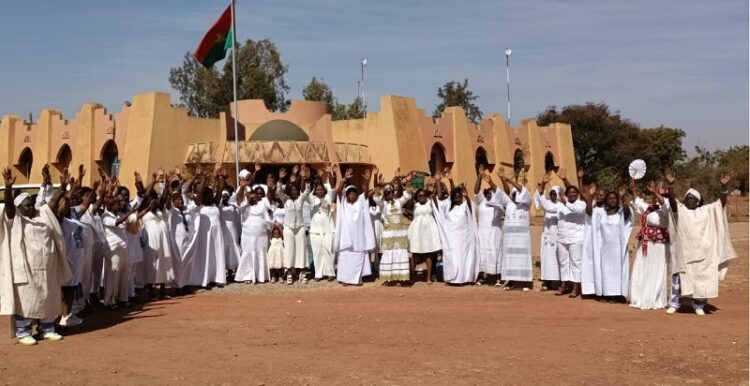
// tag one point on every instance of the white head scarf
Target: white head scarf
(244, 173)
(19, 200)
(694, 193)
(349, 187)
(557, 190)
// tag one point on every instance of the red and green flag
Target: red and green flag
(217, 41)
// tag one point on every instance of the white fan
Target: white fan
(637, 169)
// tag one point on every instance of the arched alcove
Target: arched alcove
(109, 159)
(25, 162)
(437, 158)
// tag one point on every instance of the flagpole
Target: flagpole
(236, 111)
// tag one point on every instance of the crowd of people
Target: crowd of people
(72, 248)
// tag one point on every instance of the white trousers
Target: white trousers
(569, 258)
(295, 248)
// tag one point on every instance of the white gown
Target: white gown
(205, 255)
(253, 264)
(157, 254)
(548, 249)
(458, 230)
(648, 282)
(321, 233)
(424, 236)
(609, 237)
(354, 239)
(516, 236)
(490, 222)
(230, 228)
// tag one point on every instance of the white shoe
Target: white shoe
(70, 320)
(671, 310)
(526, 289)
(700, 312)
(53, 336)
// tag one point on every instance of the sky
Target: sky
(681, 63)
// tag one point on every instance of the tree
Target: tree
(735, 160)
(260, 75)
(454, 93)
(604, 143)
(318, 90)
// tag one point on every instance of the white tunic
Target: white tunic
(609, 236)
(548, 249)
(424, 236)
(74, 249)
(458, 231)
(516, 236)
(321, 233)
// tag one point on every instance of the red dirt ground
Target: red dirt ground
(374, 335)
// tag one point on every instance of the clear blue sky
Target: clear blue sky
(679, 63)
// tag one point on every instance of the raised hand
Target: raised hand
(257, 167)
(64, 178)
(547, 178)
(592, 190)
(46, 175)
(9, 178)
(96, 186)
(295, 170)
(480, 170)
(81, 172)
(621, 191)
(138, 178)
(102, 176)
(580, 173)
(562, 173)
(501, 173)
(328, 168)
(653, 187)
(725, 178)
(349, 174)
(282, 173)
(670, 177)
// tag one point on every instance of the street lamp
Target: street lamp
(507, 78)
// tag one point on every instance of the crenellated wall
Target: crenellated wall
(149, 133)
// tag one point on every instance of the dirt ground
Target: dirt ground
(374, 335)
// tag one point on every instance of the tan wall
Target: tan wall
(150, 134)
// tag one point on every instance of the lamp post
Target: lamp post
(507, 78)
(362, 84)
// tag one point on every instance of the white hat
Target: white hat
(19, 200)
(694, 193)
(244, 173)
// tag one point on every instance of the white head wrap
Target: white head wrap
(694, 193)
(388, 187)
(226, 193)
(19, 200)
(557, 189)
(244, 173)
(349, 187)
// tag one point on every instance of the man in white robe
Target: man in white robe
(32, 264)
(703, 248)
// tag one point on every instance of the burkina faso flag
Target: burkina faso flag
(217, 42)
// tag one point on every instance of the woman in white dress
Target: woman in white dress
(490, 222)
(181, 226)
(424, 235)
(376, 216)
(230, 228)
(610, 231)
(648, 282)
(321, 227)
(157, 253)
(394, 261)
(256, 220)
(295, 243)
(459, 238)
(548, 249)
(355, 237)
(516, 266)
(205, 255)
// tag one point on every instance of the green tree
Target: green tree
(662, 149)
(260, 75)
(318, 90)
(735, 161)
(604, 142)
(455, 93)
